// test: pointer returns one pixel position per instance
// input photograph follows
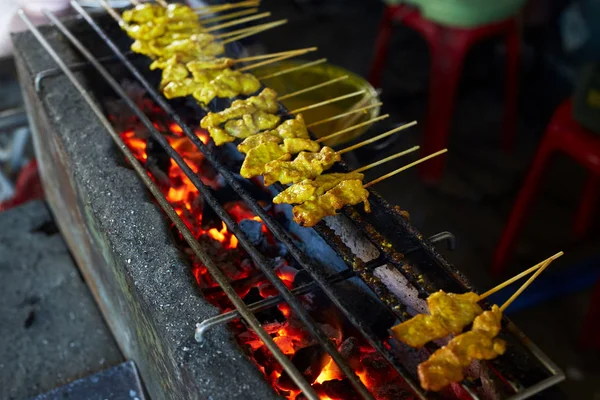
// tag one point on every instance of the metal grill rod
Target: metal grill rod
(189, 237)
(273, 225)
(204, 326)
(260, 261)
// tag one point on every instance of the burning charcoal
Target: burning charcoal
(378, 369)
(310, 361)
(302, 278)
(157, 156)
(350, 350)
(339, 390)
(392, 391)
(253, 230)
(210, 219)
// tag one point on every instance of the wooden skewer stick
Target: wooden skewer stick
(519, 276)
(359, 110)
(292, 69)
(135, 2)
(113, 13)
(226, 6)
(340, 98)
(248, 29)
(255, 31)
(412, 164)
(351, 128)
(273, 60)
(273, 55)
(314, 87)
(163, 3)
(390, 158)
(237, 22)
(526, 284)
(378, 137)
(228, 16)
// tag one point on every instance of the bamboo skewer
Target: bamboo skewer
(228, 16)
(390, 158)
(249, 29)
(314, 87)
(292, 69)
(363, 109)
(237, 22)
(351, 128)
(322, 103)
(113, 13)
(526, 284)
(226, 6)
(412, 164)
(273, 60)
(378, 137)
(273, 55)
(163, 3)
(519, 276)
(254, 32)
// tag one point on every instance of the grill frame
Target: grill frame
(407, 233)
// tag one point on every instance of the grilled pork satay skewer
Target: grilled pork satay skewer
(349, 192)
(452, 313)
(309, 166)
(309, 189)
(310, 163)
(447, 364)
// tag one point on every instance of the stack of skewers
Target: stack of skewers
(276, 145)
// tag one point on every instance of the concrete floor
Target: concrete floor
(480, 182)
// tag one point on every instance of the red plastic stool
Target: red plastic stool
(28, 187)
(448, 47)
(566, 135)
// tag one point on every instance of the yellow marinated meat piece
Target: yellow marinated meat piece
(146, 12)
(447, 365)
(345, 193)
(308, 189)
(174, 73)
(292, 128)
(251, 124)
(146, 31)
(256, 140)
(171, 36)
(181, 12)
(228, 84)
(296, 145)
(305, 166)
(216, 119)
(449, 314)
(258, 157)
(265, 101)
(210, 63)
(219, 135)
(180, 88)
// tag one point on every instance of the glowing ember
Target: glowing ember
(289, 334)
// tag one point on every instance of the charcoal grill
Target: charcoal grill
(373, 247)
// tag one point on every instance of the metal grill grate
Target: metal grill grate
(320, 281)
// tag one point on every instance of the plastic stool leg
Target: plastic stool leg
(448, 48)
(587, 206)
(382, 45)
(521, 206)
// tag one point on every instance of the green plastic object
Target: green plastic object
(464, 13)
